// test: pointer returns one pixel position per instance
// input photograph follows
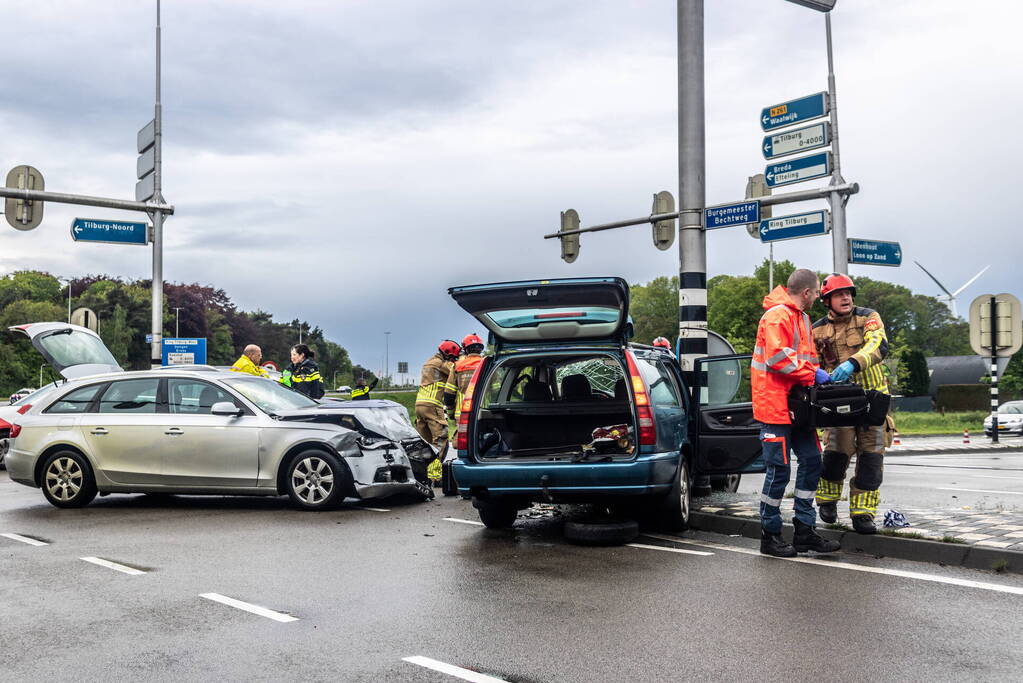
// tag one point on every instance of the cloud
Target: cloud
(347, 162)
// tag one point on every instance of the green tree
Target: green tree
(654, 309)
(912, 376)
(116, 334)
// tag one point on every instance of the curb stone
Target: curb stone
(878, 545)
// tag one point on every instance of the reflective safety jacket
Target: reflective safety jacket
(437, 379)
(858, 337)
(464, 369)
(305, 378)
(361, 393)
(245, 364)
(784, 356)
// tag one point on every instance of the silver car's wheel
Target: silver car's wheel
(67, 480)
(317, 480)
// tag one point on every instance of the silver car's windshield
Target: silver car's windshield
(271, 397)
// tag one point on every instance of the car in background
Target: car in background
(1010, 419)
(344, 389)
(194, 431)
(566, 409)
(20, 394)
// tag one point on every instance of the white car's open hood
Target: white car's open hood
(71, 350)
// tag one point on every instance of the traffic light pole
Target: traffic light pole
(994, 370)
(839, 244)
(692, 244)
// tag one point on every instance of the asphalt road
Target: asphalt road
(355, 592)
(981, 481)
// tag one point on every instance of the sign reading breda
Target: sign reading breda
(798, 170)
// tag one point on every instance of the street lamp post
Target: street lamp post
(335, 379)
(177, 320)
(387, 358)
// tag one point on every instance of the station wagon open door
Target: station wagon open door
(728, 438)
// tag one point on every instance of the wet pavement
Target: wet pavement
(245, 588)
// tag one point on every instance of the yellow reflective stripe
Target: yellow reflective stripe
(359, 392)
(829, 491)
(431, 401)
(864, 503)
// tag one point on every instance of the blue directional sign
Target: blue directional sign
(727, 215)
(796, 141)
(798, 170)
(184, 351)
(795, 226)
(795, 111)
(110, 232)
(875, 253)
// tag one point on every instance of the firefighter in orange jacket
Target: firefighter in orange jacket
(784, 356)
(472, 348)
(436, 384)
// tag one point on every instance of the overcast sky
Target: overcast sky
(346, 161)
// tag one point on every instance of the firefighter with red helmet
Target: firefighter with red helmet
(851, 344)
(472, 350)
(436, 390)
(662, 343)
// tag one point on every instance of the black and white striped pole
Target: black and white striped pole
(994, 370)
(996, 331)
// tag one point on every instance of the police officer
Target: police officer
(361, 390)
(783, 358)
(851, 344)
(436, 388)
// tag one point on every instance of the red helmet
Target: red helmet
(663, 343)
(449, 348)
(471, 339)
(833, 283)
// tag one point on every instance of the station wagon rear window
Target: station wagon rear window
(532, 317)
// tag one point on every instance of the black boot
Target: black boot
(864, 524)
(828, 512)
(805, 539)
(774, 544)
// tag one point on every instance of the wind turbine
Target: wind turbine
(950, 297)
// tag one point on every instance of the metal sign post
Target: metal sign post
(839, 247)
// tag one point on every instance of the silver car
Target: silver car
(200, 432)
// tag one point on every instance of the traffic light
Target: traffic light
(22, 214)
(569, 243)
(663, 231)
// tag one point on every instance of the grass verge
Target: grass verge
(915, 424)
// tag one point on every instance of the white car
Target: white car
(201, 431)
(1010, 419)
(20, 394)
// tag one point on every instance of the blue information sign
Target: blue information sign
(796, 111)
(727, 215)
(798, 170)
(875, 253)
(111, 232)
(795, 226)
(184, 351)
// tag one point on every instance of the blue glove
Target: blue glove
(821, 377)
(843, 372)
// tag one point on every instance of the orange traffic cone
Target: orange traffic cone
(896, 441)
(966, 436)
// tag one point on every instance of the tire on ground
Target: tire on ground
(67, 480)
(495, 513)
(602, 532)
(317, 480)
(729, 483)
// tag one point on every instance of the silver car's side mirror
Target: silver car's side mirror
(225, 408)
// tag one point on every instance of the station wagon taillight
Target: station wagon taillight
(462, 431)
(644, 415)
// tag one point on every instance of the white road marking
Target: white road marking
(113, 565)
(24, 539)
(835, 564)
(452, 670)
(669, 550)
(1011, 493)
(248, 607)
(464, 521)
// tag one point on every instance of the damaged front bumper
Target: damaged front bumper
(382, 468)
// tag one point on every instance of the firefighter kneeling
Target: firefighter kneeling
(851, 344)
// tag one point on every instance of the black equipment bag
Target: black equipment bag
(837, 405)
